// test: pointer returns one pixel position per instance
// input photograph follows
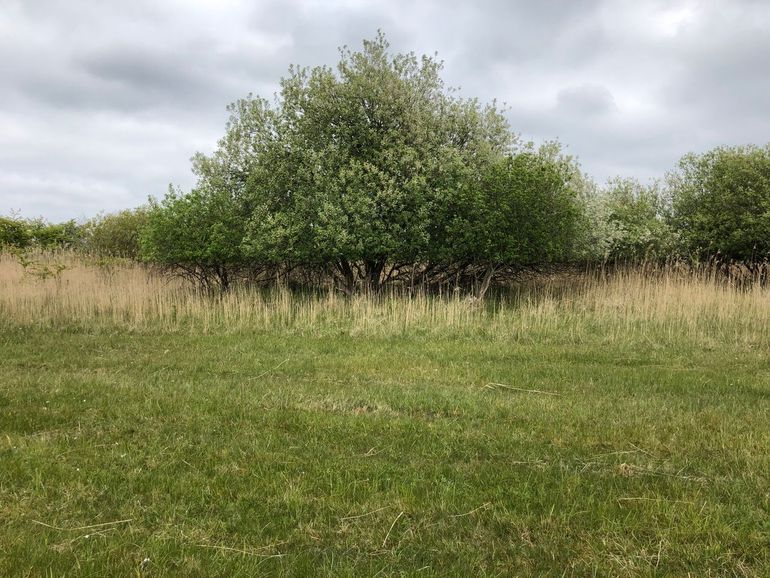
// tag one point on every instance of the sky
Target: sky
(103, 103)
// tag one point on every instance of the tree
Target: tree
(363, 172)
(198, 234)
(523, 210)
(362, 156)
(628, 221)
(116, 234)
(721, 202)
(14, 232)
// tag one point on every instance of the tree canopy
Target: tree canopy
(369, 172)
(721, 202)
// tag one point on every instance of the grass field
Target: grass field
(591, 426)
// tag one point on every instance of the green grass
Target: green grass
(280, 453)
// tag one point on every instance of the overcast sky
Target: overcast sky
(104, 102)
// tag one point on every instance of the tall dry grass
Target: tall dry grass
(65, 290)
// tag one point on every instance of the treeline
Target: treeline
(109, 235)
(376, 173)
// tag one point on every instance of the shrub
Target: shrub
(116, 234)
(371, 167)
(628, 221)
(198, 234)
(721, 203)
(14, 232)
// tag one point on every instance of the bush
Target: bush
(56, 235)
(363, 171)
(198, 234)
(14, 232)
(22, 233)
(628, 221)
(721, 203)
(524, 211)
(115, 235)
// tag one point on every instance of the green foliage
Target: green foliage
(721, 202)
(21, 233)
(628, 221)
(375, 163)
(524, 211)
(362, 156)
(55, 235)
(14, 232)
(199, 233)
(376, 167)
(116, 234)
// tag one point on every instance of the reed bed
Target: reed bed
(62, 290)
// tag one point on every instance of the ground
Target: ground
(159, 453)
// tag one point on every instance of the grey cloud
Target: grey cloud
(726, 79)
(587, 99)
(148, 71)
(105, 102)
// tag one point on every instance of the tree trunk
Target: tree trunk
(488, 276)
(347, 277)
(373, 270)
(224, 278)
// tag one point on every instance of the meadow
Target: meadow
(591, 423)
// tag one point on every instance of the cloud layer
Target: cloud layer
(105, 102)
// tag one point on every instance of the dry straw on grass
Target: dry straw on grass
(661, 303)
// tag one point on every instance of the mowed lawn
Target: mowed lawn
(222, 454)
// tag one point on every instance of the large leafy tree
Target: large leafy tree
(721, 202)
(369, 168)
(365, 153)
